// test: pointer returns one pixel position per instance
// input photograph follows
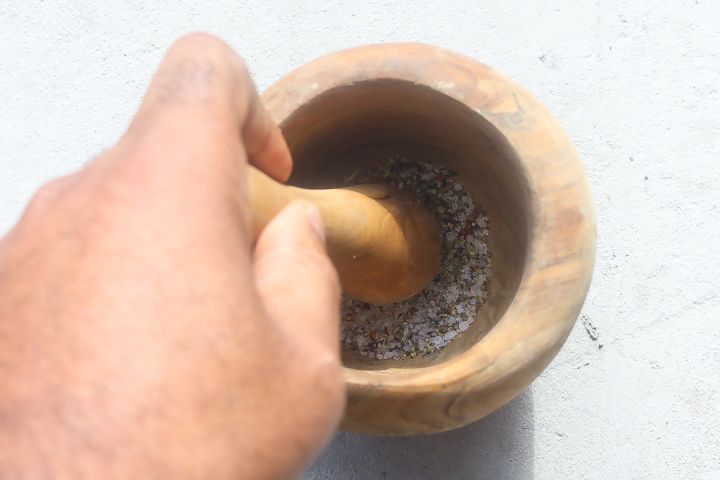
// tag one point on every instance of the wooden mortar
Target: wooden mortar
(353, 109)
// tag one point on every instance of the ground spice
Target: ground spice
(430, 320)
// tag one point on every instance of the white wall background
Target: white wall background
(635, 83)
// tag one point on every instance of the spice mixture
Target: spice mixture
(433, 318)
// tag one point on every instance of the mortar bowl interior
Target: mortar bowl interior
(354, 127)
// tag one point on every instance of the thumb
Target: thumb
(295, 278)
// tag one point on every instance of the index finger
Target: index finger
(201, 99)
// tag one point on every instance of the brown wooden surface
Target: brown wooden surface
(384, 244)
(351, 109)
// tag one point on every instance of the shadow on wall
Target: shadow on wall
(499, 446)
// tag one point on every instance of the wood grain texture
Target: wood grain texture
(384, 244)
(350, 110)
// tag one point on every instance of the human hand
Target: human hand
(143, 333)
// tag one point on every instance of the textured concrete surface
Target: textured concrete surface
(635, 84)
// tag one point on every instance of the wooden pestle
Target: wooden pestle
(384, 244)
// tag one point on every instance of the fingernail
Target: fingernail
(315, 218)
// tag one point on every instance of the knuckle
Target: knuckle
(48, 204)
(200, 41)
(324, 266)
(49, 194)
(196, 65)
(209, 48)
(330, 273)
(312, 261)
